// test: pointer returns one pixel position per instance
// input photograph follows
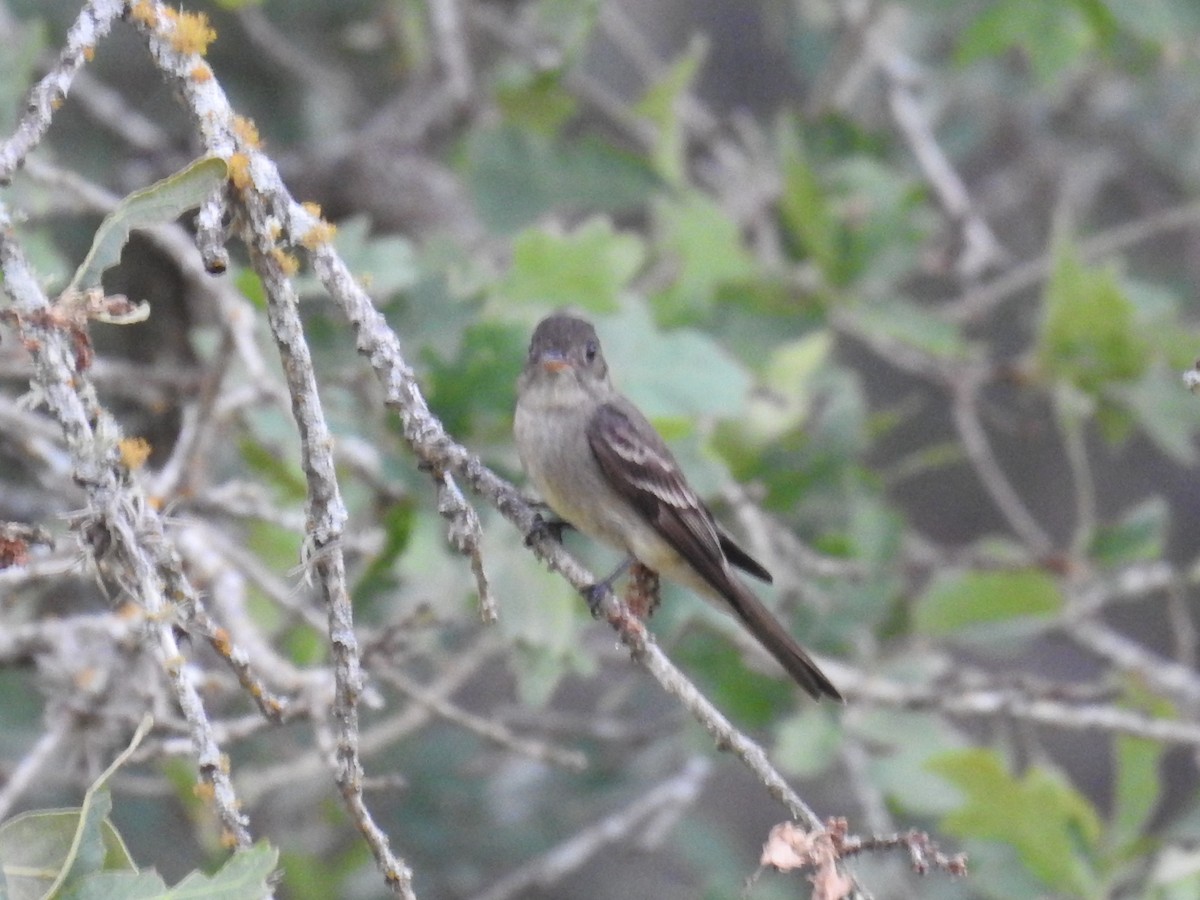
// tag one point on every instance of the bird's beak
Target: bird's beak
(554, 362)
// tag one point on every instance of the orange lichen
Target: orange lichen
(192, 33)
(247, 132)
(222, 642)
(128, 611)
(321, 233)
(201, 73)
(143, 11)
(89, 53)
(286, 262)
(134, 452)
(239, 171)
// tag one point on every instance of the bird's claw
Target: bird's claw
(593, 594)
(543, 528)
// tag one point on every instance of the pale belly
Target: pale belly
(571, 482)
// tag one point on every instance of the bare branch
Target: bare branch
(675, 795)
(94, 22)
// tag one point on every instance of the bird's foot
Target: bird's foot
(546, 526)
(594, 593)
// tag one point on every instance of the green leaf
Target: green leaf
(1159, 314)
(58, 846)
(536, 100)
(245, 876)
(1164, 409)
(541, 616)
(955, 602)
(1089, 335)
(885, 220)
(285, 474)
(1161, 21)
(385, 264)
(679, 373)
(250, 286)
(1137, 778)
(806, 744)
(473, 391)
(706, 247)
(805, 209)
(1053, 35)
(147, 885)
(876, 529)
(565, 25)
(1053, 827)
(160, 203)
(910, 325)
(900, 770)
(661, 104)
(1136, 789)
(1100, 18)
(1139, 534)
(517, 175)
(47, 850)
(789, 388)
(587, 269)
(750, 696)
(378, 579)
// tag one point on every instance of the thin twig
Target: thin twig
(93, 23)
(678, 792)
(1020, 705)
(488, 729)
(983, 299)
(965, 409)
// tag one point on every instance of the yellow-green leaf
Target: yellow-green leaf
(965, 599)
(160, 203)
(1050, 824)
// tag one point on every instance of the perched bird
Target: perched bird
(600, 465)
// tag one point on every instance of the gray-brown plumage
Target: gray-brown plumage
(602, 467)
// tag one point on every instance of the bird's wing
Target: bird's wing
(740, 558)
(641, 469)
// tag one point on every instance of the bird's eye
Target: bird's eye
(591, 350)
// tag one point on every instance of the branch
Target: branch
(987, 467)
(119, 525)
(1015, 703)
(672, 796)
(94, 22)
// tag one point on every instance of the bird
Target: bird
(602, 468)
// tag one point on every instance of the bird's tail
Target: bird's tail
(781, 645)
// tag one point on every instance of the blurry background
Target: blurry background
(920, 282)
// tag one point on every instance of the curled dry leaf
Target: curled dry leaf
(790, 848)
